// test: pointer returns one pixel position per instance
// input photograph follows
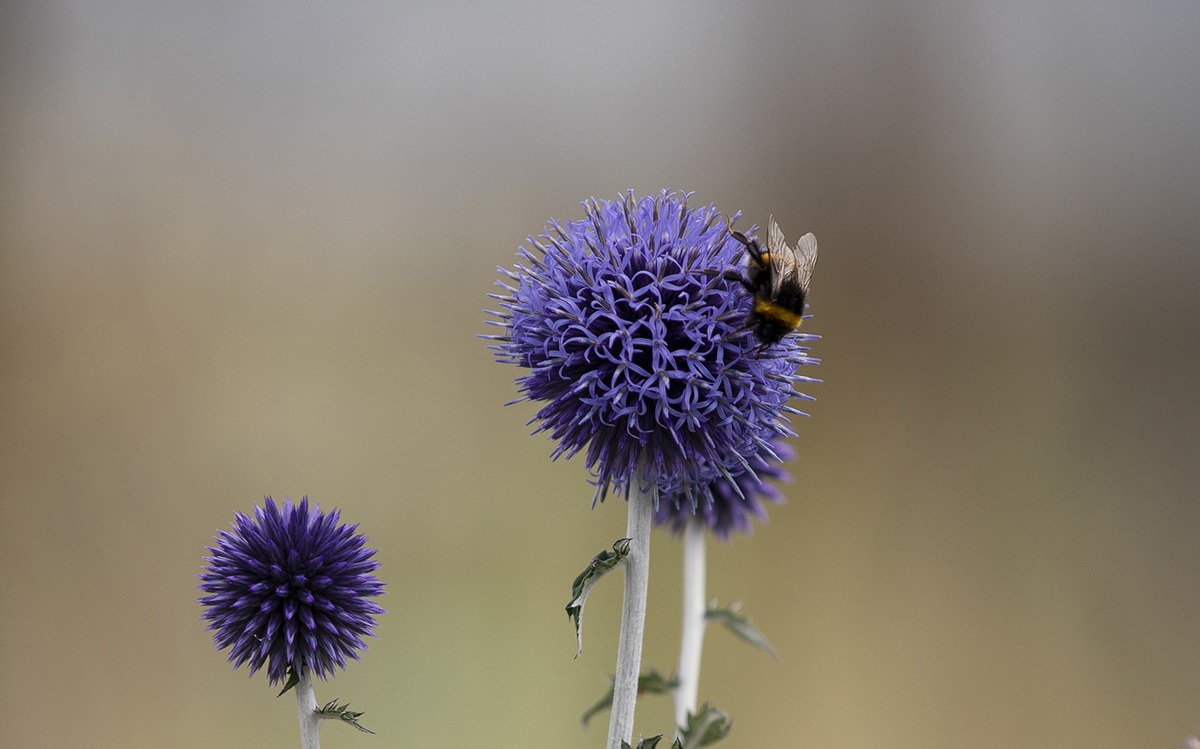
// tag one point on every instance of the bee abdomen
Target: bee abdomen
(777, 314)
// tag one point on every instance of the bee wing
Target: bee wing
(775, 241)
(790, 266)
(806, 259)
(783, 270)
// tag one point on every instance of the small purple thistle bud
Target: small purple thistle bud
(288, 588)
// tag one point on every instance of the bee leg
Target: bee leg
(751, 246)
(729, 275)
(736, 276)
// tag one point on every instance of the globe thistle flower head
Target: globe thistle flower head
(289, 588)
(635, 338)
(730, 502)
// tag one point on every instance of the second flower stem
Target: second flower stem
(633, 616)
(692, 638)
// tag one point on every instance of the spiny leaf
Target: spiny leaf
(293, 678)
(649, 682)
(741, 626)
(600, 566)
(343, 713)
(705, 727)
(650, 742)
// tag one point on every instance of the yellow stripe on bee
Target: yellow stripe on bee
(775, 313)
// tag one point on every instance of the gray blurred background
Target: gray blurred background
(244, 249)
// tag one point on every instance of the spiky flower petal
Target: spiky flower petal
(733, 501)
(635, 338)
(289, 588)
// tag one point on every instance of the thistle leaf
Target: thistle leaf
(343, 713)
(741, 626)
(601, 565)
(293, 678)
(649, 682)
(705, 727)
(650, 742)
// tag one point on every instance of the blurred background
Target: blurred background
(244, 250)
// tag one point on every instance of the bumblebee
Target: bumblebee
(778, 279)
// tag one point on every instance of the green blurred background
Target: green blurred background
(244, 249)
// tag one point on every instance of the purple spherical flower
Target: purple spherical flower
(636, 342)
(289, 588)
(731, 501)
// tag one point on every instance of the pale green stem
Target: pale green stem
(633, 615)
(306, 708)
(692, 639)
